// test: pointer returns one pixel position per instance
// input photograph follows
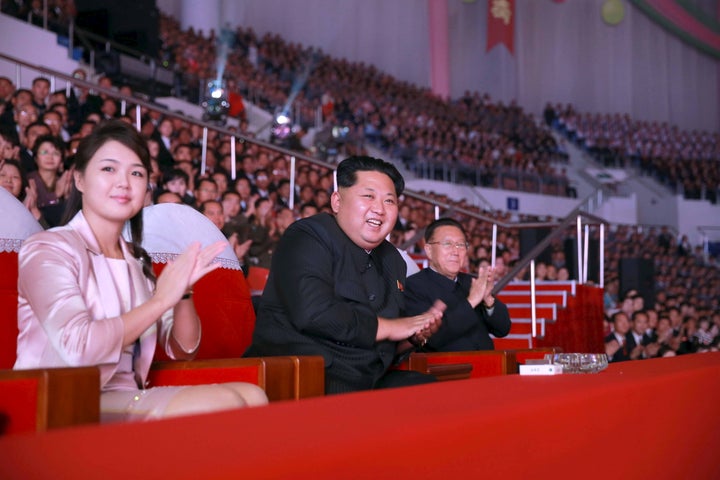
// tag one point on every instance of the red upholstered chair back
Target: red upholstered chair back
(8, 308)
(222, 300)
(16, 225)
(18, 411)
(256, 279)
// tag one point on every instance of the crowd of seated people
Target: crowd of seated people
(683, 315)
(484, 142)
(253, 211)
(688, 162)
(481, 142)
(37, 153)
(254, 205)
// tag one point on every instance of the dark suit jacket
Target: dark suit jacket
(623, 353)
(323, 297)
(463, 328)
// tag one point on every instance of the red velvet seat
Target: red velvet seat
(257, 278)
(40, 399)
(282, 378)
(222, 301)
(8, 308)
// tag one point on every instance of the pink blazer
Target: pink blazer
(68, 309)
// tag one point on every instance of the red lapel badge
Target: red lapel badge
(400, 286)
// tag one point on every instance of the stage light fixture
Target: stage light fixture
(216, 103)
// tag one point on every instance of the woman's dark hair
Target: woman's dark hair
(348, 168)
(174, 174)
(23, 177)
(56, 142)
(121, 132)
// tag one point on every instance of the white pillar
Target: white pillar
(233, 12)
(201, 15)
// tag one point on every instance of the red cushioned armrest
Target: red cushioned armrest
(45, 398)
(18, 405)
(199, 372)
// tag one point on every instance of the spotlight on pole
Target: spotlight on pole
(216, 103)
(282, 130)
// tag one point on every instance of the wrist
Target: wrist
(474, 302)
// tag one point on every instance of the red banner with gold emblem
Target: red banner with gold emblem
(501, 24)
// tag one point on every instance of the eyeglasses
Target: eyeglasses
(449, 245)
(54, 153)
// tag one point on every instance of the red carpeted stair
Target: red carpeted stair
(568, 316)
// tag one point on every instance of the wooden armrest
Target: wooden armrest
(311, 376)
(294, 377)
(42, 399)
(458, 371)
(483, 363)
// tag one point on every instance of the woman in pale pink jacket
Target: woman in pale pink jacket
(87, 297)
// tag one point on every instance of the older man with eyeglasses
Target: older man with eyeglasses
(472, 313)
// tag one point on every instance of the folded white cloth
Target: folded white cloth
(17, 222)
(169, 228)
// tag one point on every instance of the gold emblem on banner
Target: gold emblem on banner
(501, 9)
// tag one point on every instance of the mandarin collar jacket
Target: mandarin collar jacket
(68, 307)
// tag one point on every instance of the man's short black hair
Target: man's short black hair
(203, 205)
(228, 193)
(616, 315)
(200, 180)
(442, 222)
(348, 168)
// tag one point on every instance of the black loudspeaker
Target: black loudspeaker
(638, 274)
(107, 63)
(93, 18)
(594, 261)
(132, 23)
(570, 249)
(529, 237)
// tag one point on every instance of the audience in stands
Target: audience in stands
(52, 182)
(499, 143)
(688, 162)
(617, 346)
(481, 142)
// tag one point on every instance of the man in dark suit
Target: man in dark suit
(472, 312)
(637, 337)
(616, 343)
(335, 286)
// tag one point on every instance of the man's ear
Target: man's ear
(428, 250)
(335, 201)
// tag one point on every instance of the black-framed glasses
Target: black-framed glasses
(446, 245)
